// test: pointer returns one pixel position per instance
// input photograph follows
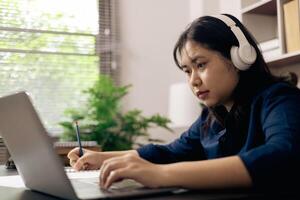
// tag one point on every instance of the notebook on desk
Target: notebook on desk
(41, 168)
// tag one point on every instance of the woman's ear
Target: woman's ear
(232, 66)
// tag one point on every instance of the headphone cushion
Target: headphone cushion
(247, 53)
(236, 59)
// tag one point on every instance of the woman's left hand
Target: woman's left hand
(132, 167)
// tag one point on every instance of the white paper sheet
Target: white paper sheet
(12, 181)
(17, 182)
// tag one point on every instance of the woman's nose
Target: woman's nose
(195, 79)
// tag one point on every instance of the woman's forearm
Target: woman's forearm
(227, 172)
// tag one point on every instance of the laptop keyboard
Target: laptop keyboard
(89, 180)
(89, 188)
(86, 186)
(126, 184)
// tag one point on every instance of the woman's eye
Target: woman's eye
(201, 65)
(187, 71)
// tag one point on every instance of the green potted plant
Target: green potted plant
(102, 120)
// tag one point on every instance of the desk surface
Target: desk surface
(7, 193)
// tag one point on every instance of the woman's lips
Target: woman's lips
(202, 94)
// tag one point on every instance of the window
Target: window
(48, 48)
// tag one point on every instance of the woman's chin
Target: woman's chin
(209, 104)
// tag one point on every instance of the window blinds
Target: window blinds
(108, 40)
(48, 48)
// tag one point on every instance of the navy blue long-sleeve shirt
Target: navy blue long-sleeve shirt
(271, 151)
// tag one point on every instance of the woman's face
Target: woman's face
(211, 76)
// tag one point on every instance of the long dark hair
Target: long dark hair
(213, 34)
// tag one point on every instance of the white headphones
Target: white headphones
(245, 55)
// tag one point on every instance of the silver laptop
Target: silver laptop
(38, 164)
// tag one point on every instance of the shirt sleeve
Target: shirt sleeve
(187, 147)
(276, 163)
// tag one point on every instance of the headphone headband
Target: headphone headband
(234, 28)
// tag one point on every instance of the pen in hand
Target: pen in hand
(78, 139)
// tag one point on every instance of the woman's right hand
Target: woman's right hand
(91, 160)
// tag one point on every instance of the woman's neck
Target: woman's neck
(228, 105)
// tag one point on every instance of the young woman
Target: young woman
(248, 134)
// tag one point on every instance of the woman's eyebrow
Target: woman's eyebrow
(195, 58)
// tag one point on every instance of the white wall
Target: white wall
(149, 29)
(212, 7)
(231, 7)
(148, 32)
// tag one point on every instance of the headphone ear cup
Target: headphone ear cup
(236, 59)
(247, 54)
